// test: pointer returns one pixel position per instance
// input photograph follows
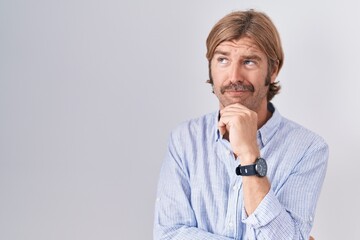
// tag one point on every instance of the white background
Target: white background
(90, 90)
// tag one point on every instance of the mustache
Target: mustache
(238, 86)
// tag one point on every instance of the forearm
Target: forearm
(267, 216)
(283, 227)
(254, 189)
(272, 221)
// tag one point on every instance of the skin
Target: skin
(239, 69)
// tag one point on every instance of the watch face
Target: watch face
(261, 167)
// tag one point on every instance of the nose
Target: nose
(236, 73)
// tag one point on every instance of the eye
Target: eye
(249, 62)
(222, 60)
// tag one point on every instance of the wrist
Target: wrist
(259, 168)
(248, 158)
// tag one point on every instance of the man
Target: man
(243, 172)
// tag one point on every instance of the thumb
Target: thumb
(222, 128)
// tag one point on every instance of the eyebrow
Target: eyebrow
(221, 53)
(253, 56)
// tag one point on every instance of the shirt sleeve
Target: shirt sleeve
(288, 213)
(174, 216)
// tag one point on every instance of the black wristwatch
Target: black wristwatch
(258, 169)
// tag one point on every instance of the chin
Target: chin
(228, 103)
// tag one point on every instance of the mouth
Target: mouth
(236, 93)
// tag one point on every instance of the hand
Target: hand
(239, 124)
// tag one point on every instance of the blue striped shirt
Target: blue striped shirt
(200, 197)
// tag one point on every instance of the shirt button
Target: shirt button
(311, 218)
(235, 187)
(230, 224)
(228, 152)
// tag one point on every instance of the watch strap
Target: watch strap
(248, 170)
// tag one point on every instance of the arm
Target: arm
(288, 212)
(174, 216)
(239, 125)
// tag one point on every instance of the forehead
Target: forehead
(243, 45)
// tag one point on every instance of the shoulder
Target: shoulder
(290, 134)
(299, 135)
(189, 136)
(195, 126)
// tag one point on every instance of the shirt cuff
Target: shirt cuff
(268, 209)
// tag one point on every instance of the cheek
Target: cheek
(216, 85)
(217, 82)
(218, 77)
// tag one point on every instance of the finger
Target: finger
(235, 106)
(222, 128)
(235, 109)
(229, 114)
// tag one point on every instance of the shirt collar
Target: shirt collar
(216, 121)
(265, 133)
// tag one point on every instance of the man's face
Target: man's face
(239, 70)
